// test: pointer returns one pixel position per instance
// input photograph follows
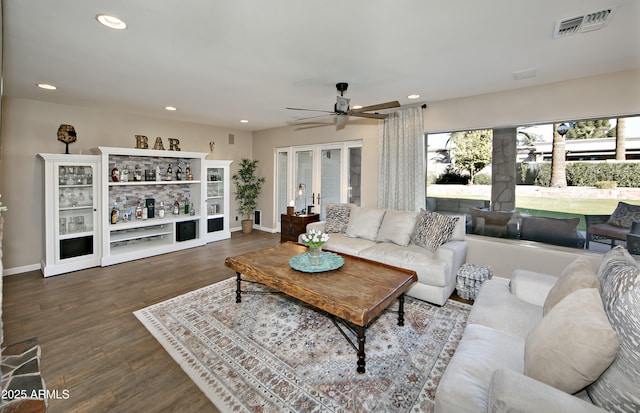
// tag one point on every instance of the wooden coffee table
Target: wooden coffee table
(356, 293)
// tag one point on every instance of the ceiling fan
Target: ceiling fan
(341, 108)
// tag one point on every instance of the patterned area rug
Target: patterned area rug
(272, 353)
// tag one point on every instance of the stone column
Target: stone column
(503, 176)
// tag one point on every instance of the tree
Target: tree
(528, 139)
(472, 150)
(558, 159)
(621, 136)
(590, 129)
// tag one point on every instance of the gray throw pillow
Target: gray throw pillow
(617, 388)
(433, 229)
(337, 217)
(624, 215)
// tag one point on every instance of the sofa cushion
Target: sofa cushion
(433, 229)
(496, 307)
(561, 227)
(573, 344)
(491, 217)
(624, 215)
(347, 245)
(617, 388)
(464, 386)
(364, 222)
(430, 270)
(337, 217)
(578, 274)
(397, 227)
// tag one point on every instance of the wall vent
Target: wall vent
(581, 24)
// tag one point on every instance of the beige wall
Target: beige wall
(29, 127)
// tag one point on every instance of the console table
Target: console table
(294, 225)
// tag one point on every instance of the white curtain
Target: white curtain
(401, 155)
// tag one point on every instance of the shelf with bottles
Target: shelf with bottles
(144, 170)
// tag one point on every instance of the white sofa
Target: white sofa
(385, 236)
(505, 363)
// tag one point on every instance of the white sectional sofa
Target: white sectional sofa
(389, 237)
(568, 341)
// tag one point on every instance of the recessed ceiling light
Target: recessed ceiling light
(170, 108)
(46, 86)
(357, 107)
(244, 121)
(414, 96)
(111, 22)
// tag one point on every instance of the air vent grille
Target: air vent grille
(588, 22)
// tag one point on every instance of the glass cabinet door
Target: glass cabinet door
(76, 209)
(215, 192)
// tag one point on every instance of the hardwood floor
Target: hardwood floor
(92, 344)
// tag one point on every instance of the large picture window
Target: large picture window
(564, 174)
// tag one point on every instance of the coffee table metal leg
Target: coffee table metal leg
(401, 310)
(361, 340)
(238, 290)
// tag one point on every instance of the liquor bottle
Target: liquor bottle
(176, 207)
(192, 210)
(114, 213)
(145, 211)
(115, 174)
(125, 217)
(169, 173)
(161, 210)
(124, 174)
(189, 174)
(158, 174)
(186, 206)
(139, 211)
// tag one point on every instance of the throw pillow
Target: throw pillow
(573, 344)
(364, 222)
(397, 227)
(617, 388)
(433, 229)
(579, 274)
(337, 217)
(624, 215)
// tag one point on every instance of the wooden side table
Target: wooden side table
(294, 225)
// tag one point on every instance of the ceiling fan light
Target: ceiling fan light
(357, 107)
(111, 22)
(244, 121)
(171, 108)
(414, 96)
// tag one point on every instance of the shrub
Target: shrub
(606, 184)
(452, 176)
(482, 179)
(625, 174)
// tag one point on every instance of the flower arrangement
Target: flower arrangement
(315, 238)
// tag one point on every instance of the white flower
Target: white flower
(315, 238)
(2, 208)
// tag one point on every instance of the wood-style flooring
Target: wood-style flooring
(92, 344)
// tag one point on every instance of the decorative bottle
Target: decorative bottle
(179, 173)
(161, 210)
(139, 211)
(192, 210)
(169, 173)
(189, 174)
(186, 206)
(158, 173)
(115, 174)
(145, 211)
(114, 213)
(176, 207)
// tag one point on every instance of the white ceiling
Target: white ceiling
(222, 61)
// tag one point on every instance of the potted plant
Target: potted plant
(248, 187)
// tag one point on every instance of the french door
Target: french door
(310, 177)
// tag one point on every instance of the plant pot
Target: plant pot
(247, 226)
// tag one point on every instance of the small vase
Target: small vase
(315, 255)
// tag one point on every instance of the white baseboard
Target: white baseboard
(20, 270)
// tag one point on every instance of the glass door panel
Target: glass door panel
(304, 180)
(283, 201)
(354, 175)
(331, 168)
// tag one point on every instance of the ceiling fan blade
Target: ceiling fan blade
(311, 110)
(342, 119)
(379, 106)
(313, 117)
(369, 115)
